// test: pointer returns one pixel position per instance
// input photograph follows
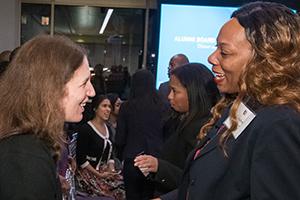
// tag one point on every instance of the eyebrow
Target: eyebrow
(223, 44)
(85, 80)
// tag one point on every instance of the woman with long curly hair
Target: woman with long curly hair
(46, 84)
(252, 142)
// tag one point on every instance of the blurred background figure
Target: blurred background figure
(115, 102)
(4, 55)
(98, 80)
(139, 130)
(4, 60)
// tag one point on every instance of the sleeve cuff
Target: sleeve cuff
(84, 165)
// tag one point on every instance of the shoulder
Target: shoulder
(275, 124)
(86, 127)
(164, 85)
(25, 144)
(277, 114)
(25, 150)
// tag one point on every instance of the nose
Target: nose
(212, 58)
(90, 90)
(171, 95)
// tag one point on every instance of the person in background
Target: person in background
(193, 94)
(115, 107)
(252, 141)
(164, 88)
(94, 154)
(98, 80)
(112, 124)
(139, 130)
(46, 84)
(4, 56)
(4, 61)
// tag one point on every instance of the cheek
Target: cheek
(181, 103)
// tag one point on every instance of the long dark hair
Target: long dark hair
(96, 101)
(142, 90)
(113, 97)
(201, 89)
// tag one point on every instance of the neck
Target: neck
(100, 125)
(98, 121)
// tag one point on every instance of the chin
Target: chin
(74, 119)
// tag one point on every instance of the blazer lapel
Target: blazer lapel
(191, 155)
(212, 144)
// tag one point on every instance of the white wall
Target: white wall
(9, 24)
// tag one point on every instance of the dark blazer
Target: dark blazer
(27, 169)
(174, 153)
(163, 92)
(139, 129)
(262, 163)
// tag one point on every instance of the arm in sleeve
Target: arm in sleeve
(82, 148)
(168, 175)
(170, 195)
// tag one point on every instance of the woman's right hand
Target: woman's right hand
(147, 162)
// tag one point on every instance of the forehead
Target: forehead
(174, 81)
(232, 35)
(105, 101)
(83, 71)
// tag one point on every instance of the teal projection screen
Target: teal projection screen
(188, 29)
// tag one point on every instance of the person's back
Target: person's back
(143, 125)
(139, 130)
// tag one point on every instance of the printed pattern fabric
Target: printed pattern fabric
(112, 186)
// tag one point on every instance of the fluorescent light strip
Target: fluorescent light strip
(106, 19)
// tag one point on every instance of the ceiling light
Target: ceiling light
(106, 19)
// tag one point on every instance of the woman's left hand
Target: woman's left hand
(146, 162)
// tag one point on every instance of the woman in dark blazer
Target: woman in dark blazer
(193, 93)
(139, 130)
(250, 148)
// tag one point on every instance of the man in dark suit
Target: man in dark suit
(176, 61)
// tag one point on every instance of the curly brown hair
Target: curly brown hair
(34, 85)
(272, 75)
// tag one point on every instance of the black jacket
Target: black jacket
(174, 154)
(262, 163)
(27, 169)
(139, 129)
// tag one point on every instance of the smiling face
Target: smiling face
(77, 91)
(103, 110)
(178, 96)
(231, 56)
